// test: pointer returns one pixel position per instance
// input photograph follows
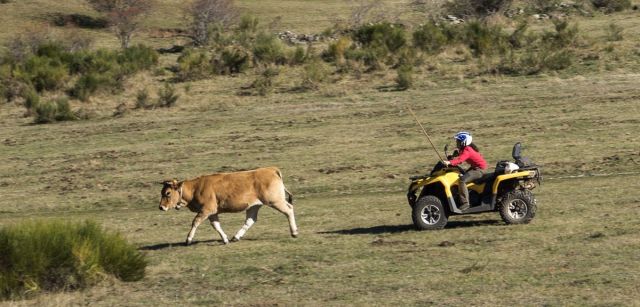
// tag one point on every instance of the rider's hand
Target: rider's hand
(446, 163)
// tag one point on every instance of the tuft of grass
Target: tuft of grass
(167, 96)
(55, 255)
(404, 79)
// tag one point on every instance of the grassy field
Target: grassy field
(346, 151)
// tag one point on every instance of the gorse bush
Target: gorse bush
(232, 60)
(53, 256)
(429, 38)
(476, 8)
(381, 35)
(404, 79)
(52, 111)
(167, 96)
(268, 49)
(142, 100)
(610, 6)
(193, 64)
(314, 73)
(51, 65)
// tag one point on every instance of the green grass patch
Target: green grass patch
(48, 256)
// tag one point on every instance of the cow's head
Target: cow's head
(171, 194)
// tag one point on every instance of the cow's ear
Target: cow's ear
(180, 184)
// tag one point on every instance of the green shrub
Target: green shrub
(268, 49)
(84, 87)
(232, 60)
(31, 100)
(610, 6)
(137, 58)
(43, 73)
(484, 39)
(429, 38)
(299, 56)
(248, 23)
(405, 77)
(315, 72)
(167, 96)
(142, 100)
(381, 35)
(564, 35)
(54, 256)
(476, 8)
(264, 83)
(193, 65)
(336, 51)
(52, 111)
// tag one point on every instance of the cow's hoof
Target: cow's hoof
(235, 239)
(225, 242)
(294, 235)
(187, 243)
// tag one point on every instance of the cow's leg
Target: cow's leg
(215, 222)
(252, 217)
(196, 222)
(287, 209)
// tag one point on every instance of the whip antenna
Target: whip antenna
(425, 132)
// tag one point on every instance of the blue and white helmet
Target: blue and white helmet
(463, 138)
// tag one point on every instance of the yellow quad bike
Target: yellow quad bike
(507, 190)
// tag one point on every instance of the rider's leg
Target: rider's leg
(467, 177)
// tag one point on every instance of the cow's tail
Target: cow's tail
(288, 194)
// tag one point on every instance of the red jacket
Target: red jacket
(470, 156)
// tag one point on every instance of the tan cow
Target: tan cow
(230, 192)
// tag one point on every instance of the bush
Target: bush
(299, 56)
(476, 8)
(336, 51)
(167, 96)
(610, 6)
(57, 110)
(268, 49)
(429, 38)
(315, 73)
(405, 77)
(484, 39)
(193, 65)
(43, 73)
(381, 35)
(31, 100)
(142, 100)
(232, 60)
(54, 256)
(564, 36)
(264, 83)
(137, 58)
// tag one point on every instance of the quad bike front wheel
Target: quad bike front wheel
(428, 213)
(517, 207)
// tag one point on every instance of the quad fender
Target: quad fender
(439, 186)
(507, 177)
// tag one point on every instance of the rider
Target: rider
(468, 152)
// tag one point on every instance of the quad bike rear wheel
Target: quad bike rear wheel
(429, 214)
(517, 207)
